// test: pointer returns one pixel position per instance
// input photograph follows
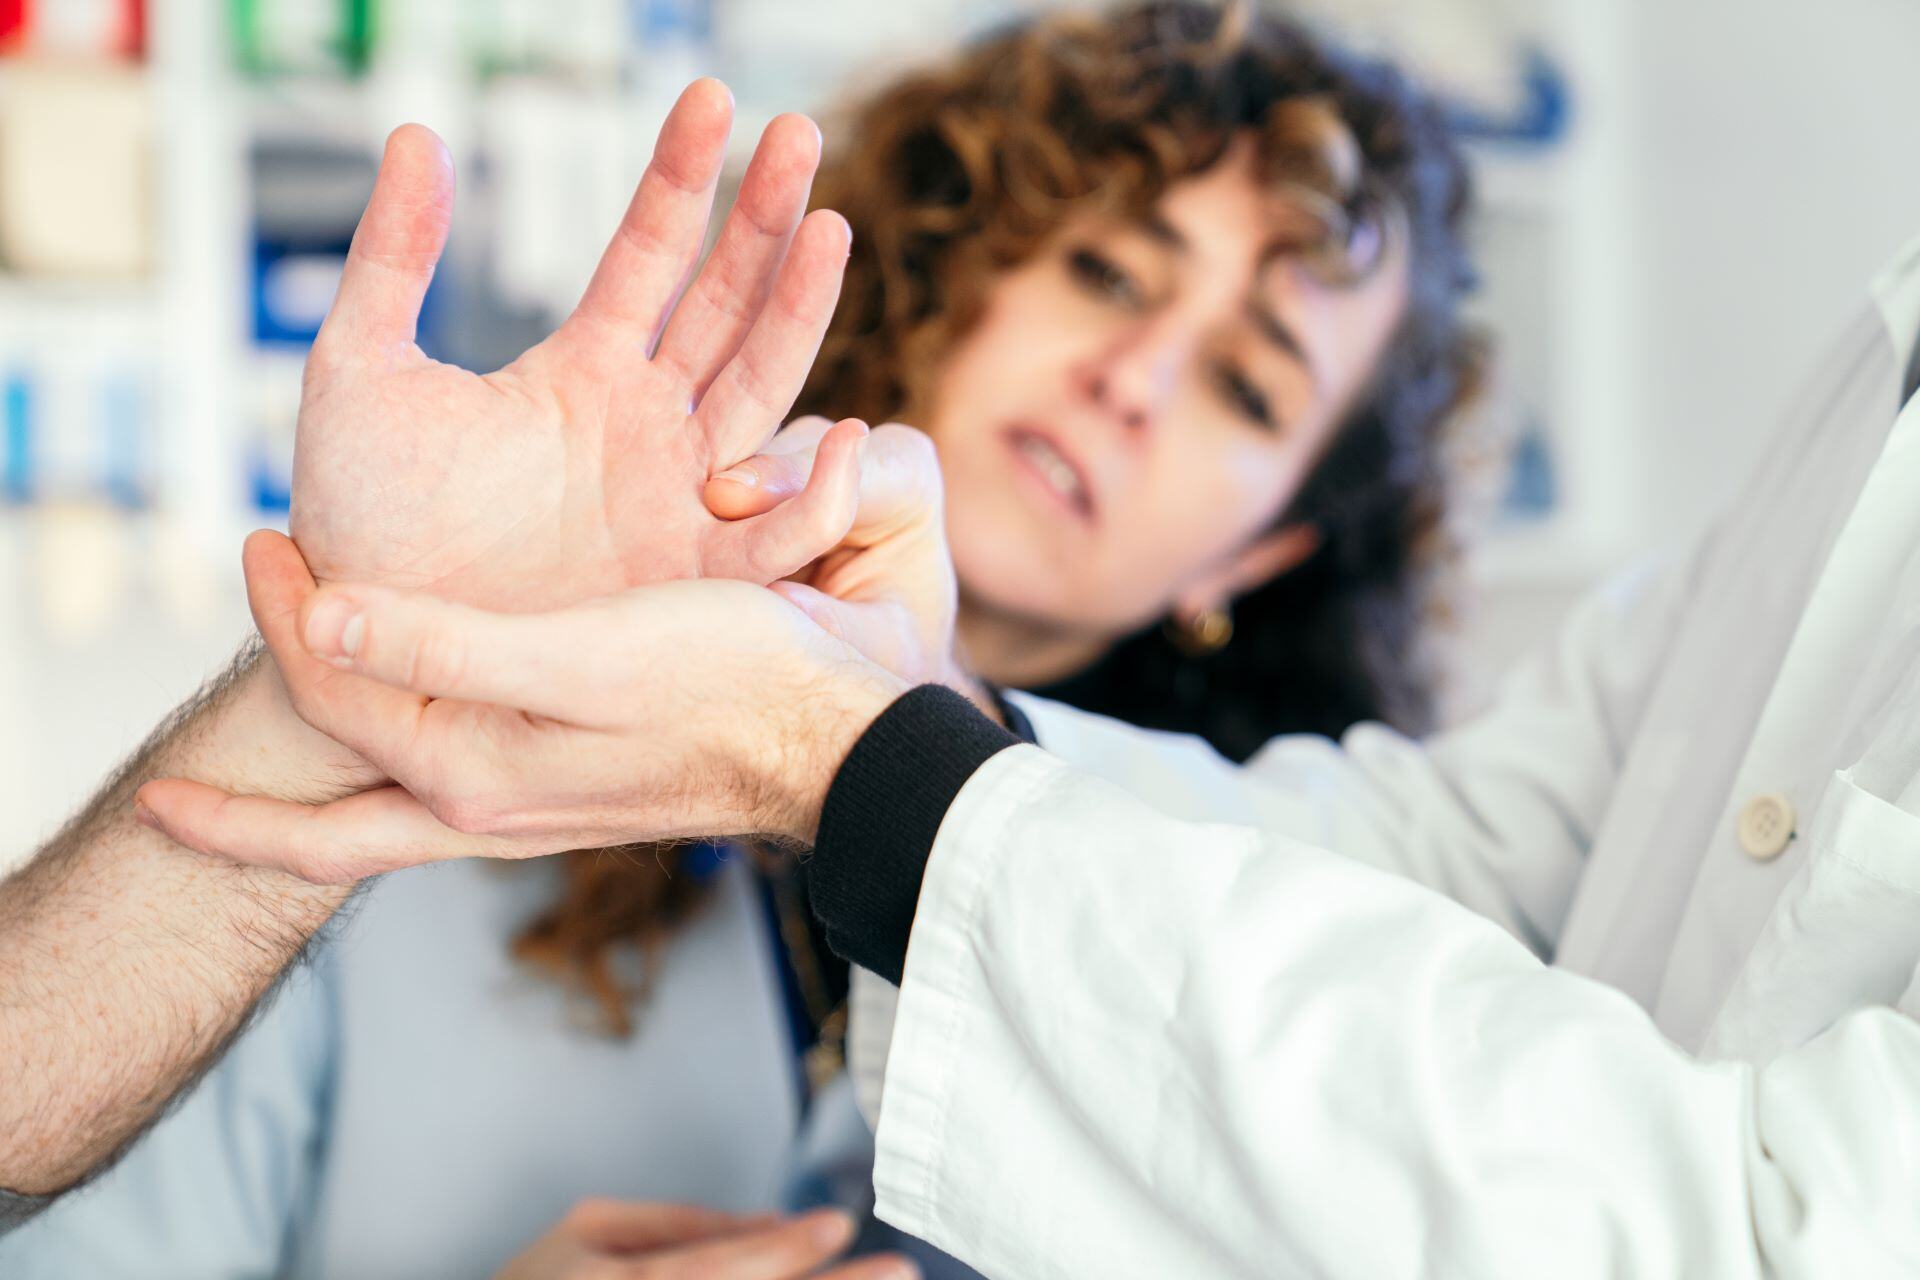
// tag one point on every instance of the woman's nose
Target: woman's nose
(1130, 411)
(1132, 381)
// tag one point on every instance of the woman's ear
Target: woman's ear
(1252, 567)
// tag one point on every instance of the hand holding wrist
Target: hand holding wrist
(696, 708)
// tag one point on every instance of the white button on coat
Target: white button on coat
(1765, 826)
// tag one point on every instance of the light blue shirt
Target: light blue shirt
(416, 1103)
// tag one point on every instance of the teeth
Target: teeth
(1058, 471)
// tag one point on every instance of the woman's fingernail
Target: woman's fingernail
(144, 816)
(744, 476)
(334, 630)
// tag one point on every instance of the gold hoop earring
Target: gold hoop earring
(1203, 635)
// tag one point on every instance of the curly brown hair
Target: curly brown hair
(957, 172)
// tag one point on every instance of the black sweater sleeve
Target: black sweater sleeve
(881, 815)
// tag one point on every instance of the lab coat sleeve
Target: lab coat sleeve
(1497, 814)
(215, 1191)
(1132, 1045)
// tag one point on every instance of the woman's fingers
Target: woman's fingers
(753, 393)
(899, 479)
(707, 327)
(888, 1266)
(395, 249)
(885, 632)
(799, 530)
(787, 1251)
(653, 252)
(631, 1225)
(338, 843)
(900, 483)
(770, 477)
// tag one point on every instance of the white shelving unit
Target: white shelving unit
(1555, 230)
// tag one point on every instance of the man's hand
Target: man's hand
(689, 708)
(704, 709)
(576, 470)
(624, 1240)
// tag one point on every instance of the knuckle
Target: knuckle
(325, 356)
(463, 812)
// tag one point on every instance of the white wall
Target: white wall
(1771, 160)
(1781, 169)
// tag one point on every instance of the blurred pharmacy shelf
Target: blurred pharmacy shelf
(152, 320)
(156, 301)
(1553, 228)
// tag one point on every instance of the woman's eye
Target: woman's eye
(1104, 275)
(1246, 397)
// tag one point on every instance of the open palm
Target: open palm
(577, 470)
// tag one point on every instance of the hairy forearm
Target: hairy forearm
(127, 962)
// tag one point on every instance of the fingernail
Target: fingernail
(745, 476)
(144, 816)
(830, 1228)
(334, 630)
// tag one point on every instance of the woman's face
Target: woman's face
(1139, 402)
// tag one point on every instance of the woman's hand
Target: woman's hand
(629, 1240)
(694, 708)
(888, 589)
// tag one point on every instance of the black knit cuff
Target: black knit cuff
(880, 818)
(1011, 716)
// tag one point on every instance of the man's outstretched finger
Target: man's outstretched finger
(732, 287)
(652, 253)
(753, 394)
(395, 248)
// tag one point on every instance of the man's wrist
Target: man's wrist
(842, 704)
(265, 748)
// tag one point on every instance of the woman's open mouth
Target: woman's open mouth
(1052, 470)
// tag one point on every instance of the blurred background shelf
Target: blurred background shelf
(1671, 221)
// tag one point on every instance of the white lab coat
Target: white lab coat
(1151, 1026)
